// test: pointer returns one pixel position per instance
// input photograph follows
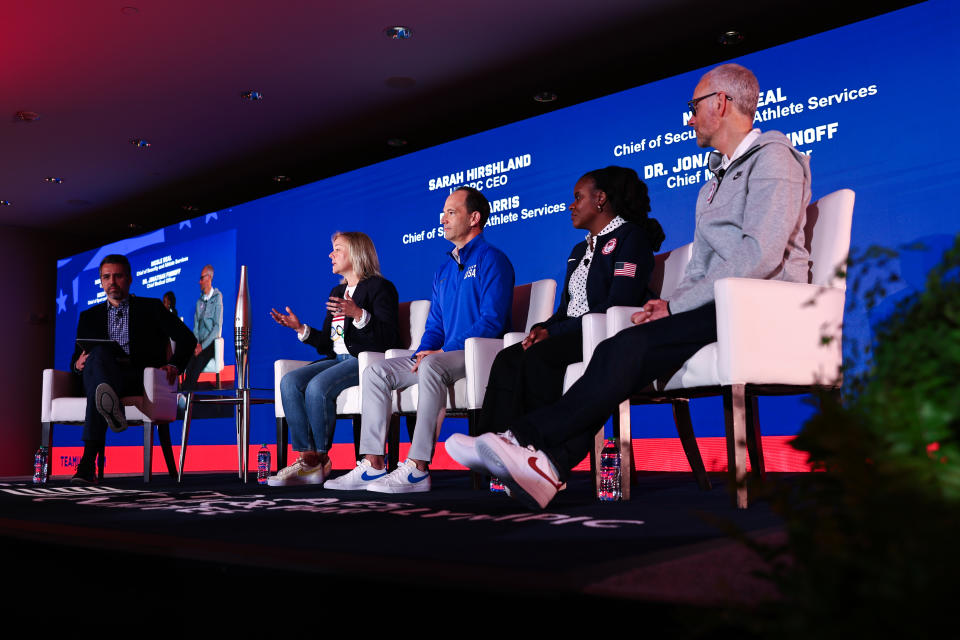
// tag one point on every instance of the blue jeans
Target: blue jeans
(309, 397)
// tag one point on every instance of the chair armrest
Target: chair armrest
(366, 359)
(479, 357)
(774, 332)
(280, 369)
(159, 396)
(513, 338)
(56, 384)
(399, 353)
(218, 353)
(594, 327)
(618, 319)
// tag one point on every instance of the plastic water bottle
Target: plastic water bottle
(263, 464)
(609, 471)
(496, 486)
(41, 466)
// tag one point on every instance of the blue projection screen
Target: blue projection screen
(855, 99)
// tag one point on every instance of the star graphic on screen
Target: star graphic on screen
(212, 216)
(185, 223)
(61, 302)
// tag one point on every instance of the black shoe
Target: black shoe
(110, 407)
(84, 475)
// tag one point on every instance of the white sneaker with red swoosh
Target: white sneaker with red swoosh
(528, 472)
(463, 449)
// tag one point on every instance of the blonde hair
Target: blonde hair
(363, 255)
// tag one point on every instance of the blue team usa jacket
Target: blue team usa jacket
(471, 299)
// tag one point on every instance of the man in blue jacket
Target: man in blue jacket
(472, 295)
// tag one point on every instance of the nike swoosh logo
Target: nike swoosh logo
(413, 480)
(533, 465)
(368, 478)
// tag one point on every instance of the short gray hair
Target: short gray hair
(739, 83)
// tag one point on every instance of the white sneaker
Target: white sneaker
(300, 473)
(463, 449)
(406, 478)
(357, 479)
(528, 472)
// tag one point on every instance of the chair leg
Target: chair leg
(282, 435)
(163, 433)
(147, 451)
(478, 481)
(621, 423)
(754, 441)
(101, 461)
(393, 442)
(357, 431)
(681, 417)
(735, 419)
(598, 442)
(46, 440)
(185, 435)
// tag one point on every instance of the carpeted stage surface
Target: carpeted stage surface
(666, 547)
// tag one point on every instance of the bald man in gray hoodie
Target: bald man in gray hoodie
(749, 224)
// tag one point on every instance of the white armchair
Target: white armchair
(63, 402)
(773, 338)
(413, 321)
(532, 303)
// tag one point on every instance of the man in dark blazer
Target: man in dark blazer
(142, 329)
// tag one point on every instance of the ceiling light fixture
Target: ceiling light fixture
(5, 203)
(53, 180)
(398, 33)
(189, 208)
(281, 178)
(27, 116)
(545, 96)
(396, 143)
(730, 38)
(251, 95)
(140, 143)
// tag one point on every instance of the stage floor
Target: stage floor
(670, 544)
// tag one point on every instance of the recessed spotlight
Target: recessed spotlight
(730, 38)
(251, 95)
(281, 178)
(27, 116)
(140, 143)
(133, 226)
(400, 82)
(53, 180)
(396, 143)
(5, 203)
(545, 96)
(398, 33)
(190, 208)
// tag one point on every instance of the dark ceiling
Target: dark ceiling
(335, 89)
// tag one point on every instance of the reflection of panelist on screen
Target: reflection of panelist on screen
(207, 326)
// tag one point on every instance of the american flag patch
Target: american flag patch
(627, 269)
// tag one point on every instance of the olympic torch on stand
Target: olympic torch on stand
(242, 345)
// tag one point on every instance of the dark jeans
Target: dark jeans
(196, 365)
(103, 365)
(524, 380)
(621, 366)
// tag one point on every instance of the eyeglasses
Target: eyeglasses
(692, 104)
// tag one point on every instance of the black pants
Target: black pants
(621, 366)
(103, 365)
(524, 380)
(196, 365)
